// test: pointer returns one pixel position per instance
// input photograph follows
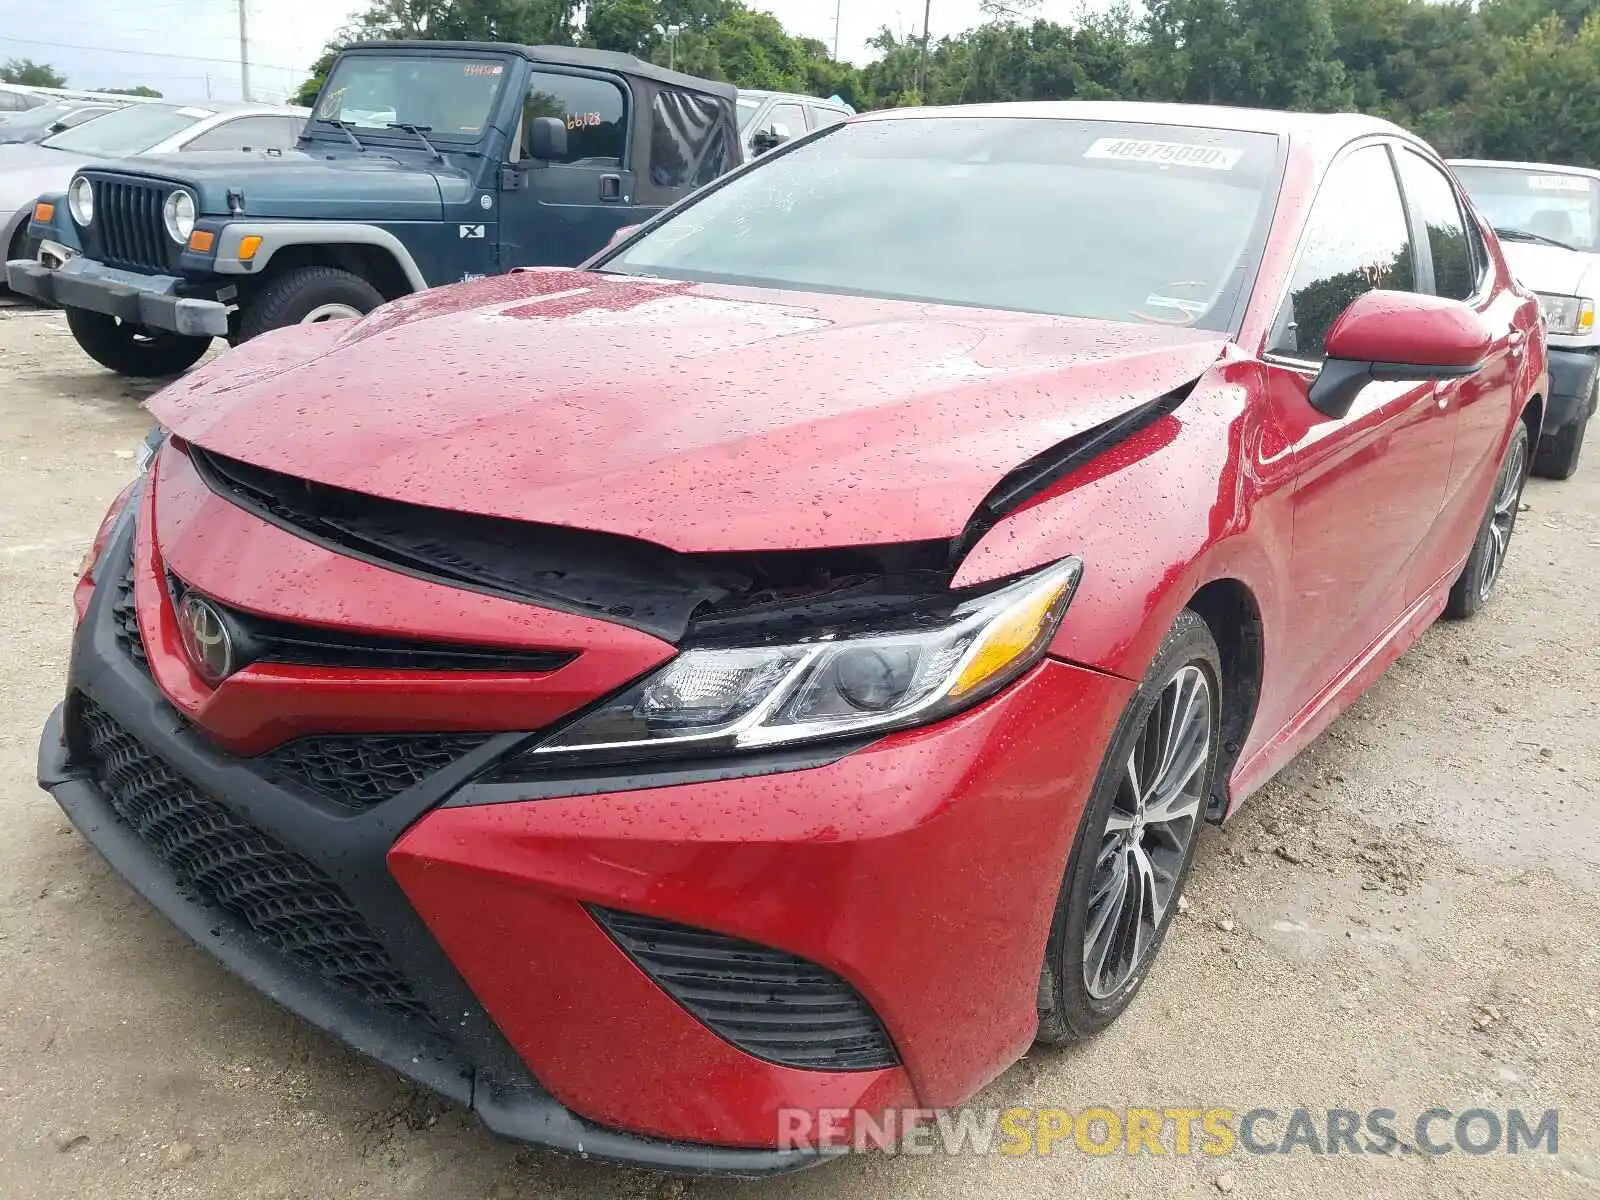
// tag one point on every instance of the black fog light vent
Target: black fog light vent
(769, 1004)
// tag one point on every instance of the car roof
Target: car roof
(571, 56)
(1326, 130)
(1555, 168)
(763, 93)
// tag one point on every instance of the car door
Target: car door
(1368, 486)
(1482, 401)
(560, 212)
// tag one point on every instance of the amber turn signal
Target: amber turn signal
(201, 241)
(44, 213)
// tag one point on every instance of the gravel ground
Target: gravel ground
(1405, 918)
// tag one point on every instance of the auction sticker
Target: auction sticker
(1558, 183)
(1165, 154)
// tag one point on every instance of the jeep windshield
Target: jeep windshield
(131, 130)
(450, 98)
(1111, 220)
(1544, 203)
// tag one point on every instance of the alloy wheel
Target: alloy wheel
(330, 312)
(1148, 832)
(1504, 516)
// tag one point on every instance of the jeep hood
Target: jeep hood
(1551, 269)
(348, 187)
(698, 417)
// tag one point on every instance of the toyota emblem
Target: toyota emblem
(206, 638)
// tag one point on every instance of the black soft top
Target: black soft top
(573, 56)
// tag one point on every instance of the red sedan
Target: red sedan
(784, 667)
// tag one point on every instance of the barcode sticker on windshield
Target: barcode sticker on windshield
(1165, 154)
(1558, 183)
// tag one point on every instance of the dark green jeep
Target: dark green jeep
(424, 163)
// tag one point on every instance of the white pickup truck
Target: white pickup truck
(1548, 219)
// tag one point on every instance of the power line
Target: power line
(234, 62)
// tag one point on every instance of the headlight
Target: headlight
(178, 215)
(715, 700)
(1569, 315)
(80, 201)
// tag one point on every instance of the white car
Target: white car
(1548, 219)
(768, 119)
(27, 171)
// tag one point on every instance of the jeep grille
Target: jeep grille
(127, 230)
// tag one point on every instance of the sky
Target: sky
(189, 49)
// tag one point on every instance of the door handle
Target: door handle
(611, 187)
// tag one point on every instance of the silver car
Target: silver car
(27, 171)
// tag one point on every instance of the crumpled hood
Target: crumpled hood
(698, 417)
(359, 187)
(1551, 269)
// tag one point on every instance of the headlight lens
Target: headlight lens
(80, 201)
(1569, 315)
(178, 214)
(748, 698)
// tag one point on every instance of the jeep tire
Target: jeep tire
(130, 349)
(306, 295)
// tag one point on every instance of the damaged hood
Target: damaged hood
(699, 417)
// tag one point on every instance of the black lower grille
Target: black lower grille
(233, 866)
(768, 1003)
(125, 618)
(359, 772)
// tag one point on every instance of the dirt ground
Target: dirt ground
(1405, 918)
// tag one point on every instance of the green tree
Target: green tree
(31, 74)
(141, 90)
(1543, 103)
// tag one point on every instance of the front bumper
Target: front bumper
(1572, 388)
(922, 869)
(148, 300)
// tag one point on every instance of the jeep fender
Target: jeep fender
(275, 235)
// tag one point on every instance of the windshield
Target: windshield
(748, 108)
(448, 97)
(1078, 218)
(131, 130)
(1543, 202)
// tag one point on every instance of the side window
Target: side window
(791, 116)
(245, 133)
(593, 111)
(689, 142)
(1434, 202)
(821, 118)
(1355, 242)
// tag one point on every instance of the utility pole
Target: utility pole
(244, 49)
(838, 11)
(922, 83)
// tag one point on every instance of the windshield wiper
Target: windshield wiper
(1523, 235)
(344, 128)
(421, 132)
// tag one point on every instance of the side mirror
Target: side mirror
(625, 232)
(547, 138)
(770, 138)
(1399, 336)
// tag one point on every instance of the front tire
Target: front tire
(130, 349)
(1471, 591)
(1137, 839)
(307, 296)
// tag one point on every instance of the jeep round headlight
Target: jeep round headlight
(80, 200)
(178, 216)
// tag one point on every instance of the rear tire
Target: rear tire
(1142, 823)
(307, 295)
(133, 350)
(1559, 460)
(1471, 591)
